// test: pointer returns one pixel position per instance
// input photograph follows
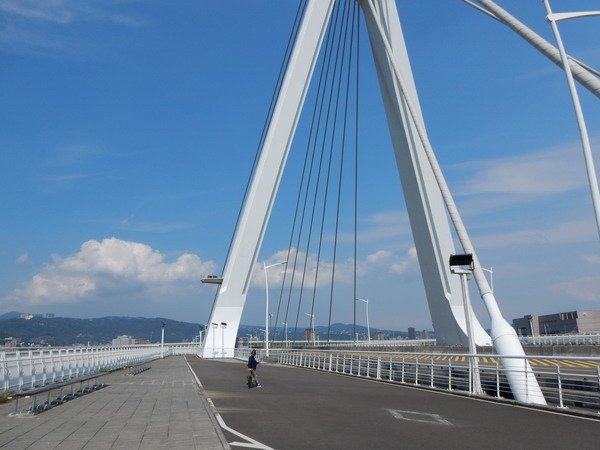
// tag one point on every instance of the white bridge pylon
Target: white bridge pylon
(426, 196)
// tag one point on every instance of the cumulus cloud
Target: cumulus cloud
(110, 267)
(344, 269)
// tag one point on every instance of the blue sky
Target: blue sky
(129, 129)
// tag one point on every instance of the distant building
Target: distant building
(11, 342)
(378, 336)
(425, 334)
(123, 340)
(140, 341)
(48, 316)
(411, 334)
(309, 334)
(26, 316)
(571, 322)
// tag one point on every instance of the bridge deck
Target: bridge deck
(300, 408)
(157, 409)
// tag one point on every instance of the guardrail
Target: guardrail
(561, 339)
(22, 370)
(566, 382)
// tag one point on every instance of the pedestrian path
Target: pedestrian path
(160, 408)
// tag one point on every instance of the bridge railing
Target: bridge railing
(22, 370)
(566, 382)
(561, 339)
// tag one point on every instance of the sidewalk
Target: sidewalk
(160, 408)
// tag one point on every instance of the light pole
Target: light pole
(491, 271)
(223, 326)
(214, 327)
(366, 302)
(265, 267)
(162, 340)
(312, 326)
(457, 266)
(585, 140)
(285, 327)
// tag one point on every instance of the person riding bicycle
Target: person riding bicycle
(252, 363)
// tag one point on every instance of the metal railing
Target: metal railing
(561, 339)
(566, 382)
(22, 370)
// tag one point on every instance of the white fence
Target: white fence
(561, 339)
(28, 369)
(566, 382)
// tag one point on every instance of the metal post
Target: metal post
(431, 385)
(417, 371)
(585, 140)
(560, 393)
(162, 341)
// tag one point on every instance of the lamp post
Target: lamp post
(366, 302)
(265, 267)
(553, 18)
(214, 327)
(223, 326)
(286, 337)
(491, 271)
(457, 266)
(312, 326)
(162, 340)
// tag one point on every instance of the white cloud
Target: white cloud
(23, 259)
(534, 174)
(584, 288)
(66, 11)
(344, 270)
(563, 232)
(108, 268)
(592, 259)
(379, 256)
(57, 11)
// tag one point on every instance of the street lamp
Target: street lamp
(285, 324)
(223, 326)
(366, 302)
(462, 265)
(585, 140)
(312, 326)
(214, 327)
(265, 267)
(491, 271)
(162, 340)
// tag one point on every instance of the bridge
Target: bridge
(317, 396)
(310, 398)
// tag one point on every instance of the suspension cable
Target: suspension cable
(332, 142)
(274, 96)
(342, 153)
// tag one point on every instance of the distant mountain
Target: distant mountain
(59, 331)
(10, 315)
(337, 332)
(64, 331)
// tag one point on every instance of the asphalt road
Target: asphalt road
(301, 409)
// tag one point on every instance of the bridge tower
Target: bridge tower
(425, 199)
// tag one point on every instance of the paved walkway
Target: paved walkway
(160, 408)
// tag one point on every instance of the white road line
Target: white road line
(252, 443)
(417, 416)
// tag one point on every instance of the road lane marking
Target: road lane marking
(416, 416)
(252, 443)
